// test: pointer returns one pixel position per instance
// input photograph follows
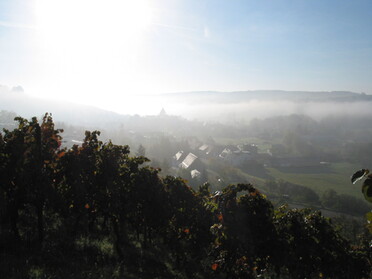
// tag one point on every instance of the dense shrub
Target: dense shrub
(92, 211)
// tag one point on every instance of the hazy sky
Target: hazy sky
(100, 52)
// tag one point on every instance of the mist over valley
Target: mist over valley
(223, 107)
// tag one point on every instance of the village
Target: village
(246, 157)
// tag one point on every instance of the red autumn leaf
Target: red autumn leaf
(255, 193)
(61, 154)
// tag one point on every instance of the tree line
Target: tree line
(94, 211)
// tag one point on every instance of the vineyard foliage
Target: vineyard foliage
(93, 211)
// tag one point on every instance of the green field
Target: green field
(336, 177)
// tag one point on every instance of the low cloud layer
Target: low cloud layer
(236, 112)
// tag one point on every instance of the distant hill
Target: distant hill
(15, 100)
(266, 95)
(226, 107)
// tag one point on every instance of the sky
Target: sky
(105, 52)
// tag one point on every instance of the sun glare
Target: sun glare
(92, 42)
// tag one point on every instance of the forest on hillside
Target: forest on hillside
(94, 211)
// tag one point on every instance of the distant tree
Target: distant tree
(297, 145)
(203, 176)
(278, 150)
(292, 191)
(345, 203)
(7, 117)
(271, 186)
(329, 199)
(165, 165)
(141, 151)
(298, 193)
(162, 149)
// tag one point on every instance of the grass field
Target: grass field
(337, 177)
